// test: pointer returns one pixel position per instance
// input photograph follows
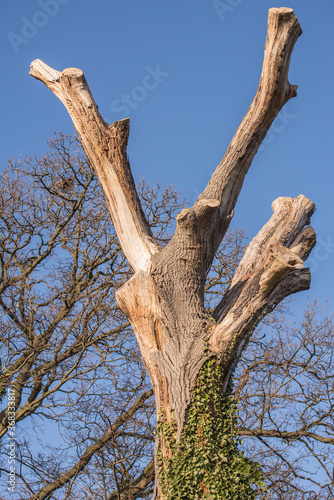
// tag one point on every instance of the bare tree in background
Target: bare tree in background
(84, 406)
(180, 339)
(285, 387)
(67, 351)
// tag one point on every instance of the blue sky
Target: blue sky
(186, 75)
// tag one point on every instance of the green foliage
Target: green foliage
(207, 463)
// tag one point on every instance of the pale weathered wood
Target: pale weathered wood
(105, 147)
(273, 92)
(139, 300)
(164, 300)
(266, 263)
(289, 218)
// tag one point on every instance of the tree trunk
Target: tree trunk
(164, 299)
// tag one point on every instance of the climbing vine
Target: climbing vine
(207, 462)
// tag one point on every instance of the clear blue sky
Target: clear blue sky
(191, 74)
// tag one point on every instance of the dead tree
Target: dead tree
(164, 299)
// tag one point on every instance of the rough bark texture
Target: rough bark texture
(164, 300)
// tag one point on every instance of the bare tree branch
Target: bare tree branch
(105, 146)
(91, 450)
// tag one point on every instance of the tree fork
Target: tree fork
(164, 300)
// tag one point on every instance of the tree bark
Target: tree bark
(164, 300)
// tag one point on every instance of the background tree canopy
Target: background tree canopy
(85, 426)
